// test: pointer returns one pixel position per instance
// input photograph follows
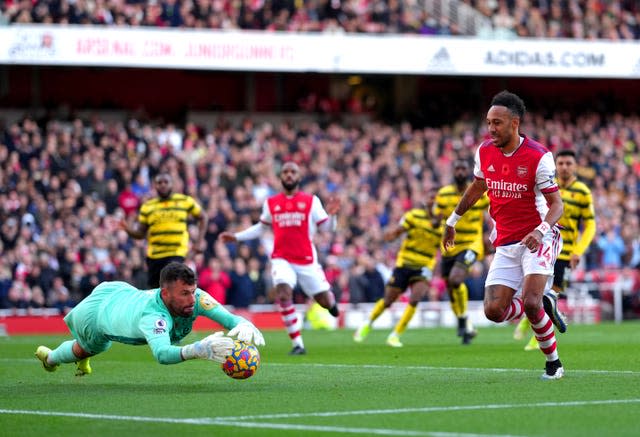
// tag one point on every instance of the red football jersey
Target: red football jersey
(516, 185)
(294, 221)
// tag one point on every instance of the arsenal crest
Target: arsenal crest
(522, 171)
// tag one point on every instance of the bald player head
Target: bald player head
(290, 177)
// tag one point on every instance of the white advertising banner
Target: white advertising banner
(294, 52)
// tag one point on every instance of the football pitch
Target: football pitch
(432, 386)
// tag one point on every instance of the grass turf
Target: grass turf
(431, 387)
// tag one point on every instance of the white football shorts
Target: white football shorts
(513, 262)
(310, 277)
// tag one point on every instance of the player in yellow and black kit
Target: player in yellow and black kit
(163, 220)
(468, 248)
(415, 262)
(578, 229)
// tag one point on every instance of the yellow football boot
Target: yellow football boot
(42, 353)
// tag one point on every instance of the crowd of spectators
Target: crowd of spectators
(580, 19)
(66, 183)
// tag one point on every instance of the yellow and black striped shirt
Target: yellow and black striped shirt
(469, 230)
(578, 213)
(421, 242)
(166, 219)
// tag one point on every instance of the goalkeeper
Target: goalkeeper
(161, 317)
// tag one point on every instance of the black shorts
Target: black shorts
(465, 258)
(402, 277)
(561, 274)
(155, 265)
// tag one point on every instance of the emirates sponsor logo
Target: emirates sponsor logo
(505, 190)
(288, 219)
(493, 184)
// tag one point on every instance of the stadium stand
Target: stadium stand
(579, 19)
(61, 180)
(62, 171)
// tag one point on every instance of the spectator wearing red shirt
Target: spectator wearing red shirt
(128, 201)
(215, 281)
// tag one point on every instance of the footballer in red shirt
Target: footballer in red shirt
(517, 173)
(294, 217)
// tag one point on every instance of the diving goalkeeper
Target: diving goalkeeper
(160, 317)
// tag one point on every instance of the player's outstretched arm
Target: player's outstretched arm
(136, 230)
(247, 332)
(215, 347)
(472, 194)
(448, 237)
(393, 233)
(226, 237)
(250, 233)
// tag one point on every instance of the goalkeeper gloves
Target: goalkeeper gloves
(247, 332)
(215, 347)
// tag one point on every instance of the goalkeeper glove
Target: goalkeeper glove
(247, 332)
(215, 347)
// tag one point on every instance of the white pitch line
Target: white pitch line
(390, 367)
(244, 421)
(253, 425)
(466, 369)
(367, 431)
(434, 409)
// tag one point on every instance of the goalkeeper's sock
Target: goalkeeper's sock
(334, 311)
(63, 353)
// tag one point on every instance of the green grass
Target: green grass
(431, 387)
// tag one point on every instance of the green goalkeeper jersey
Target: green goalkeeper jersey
(122, 313)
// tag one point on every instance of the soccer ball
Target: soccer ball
(242, 362)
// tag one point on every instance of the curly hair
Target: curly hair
(511, 101)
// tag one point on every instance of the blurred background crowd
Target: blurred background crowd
(66, 184)
(66, 181)
(580, 19)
